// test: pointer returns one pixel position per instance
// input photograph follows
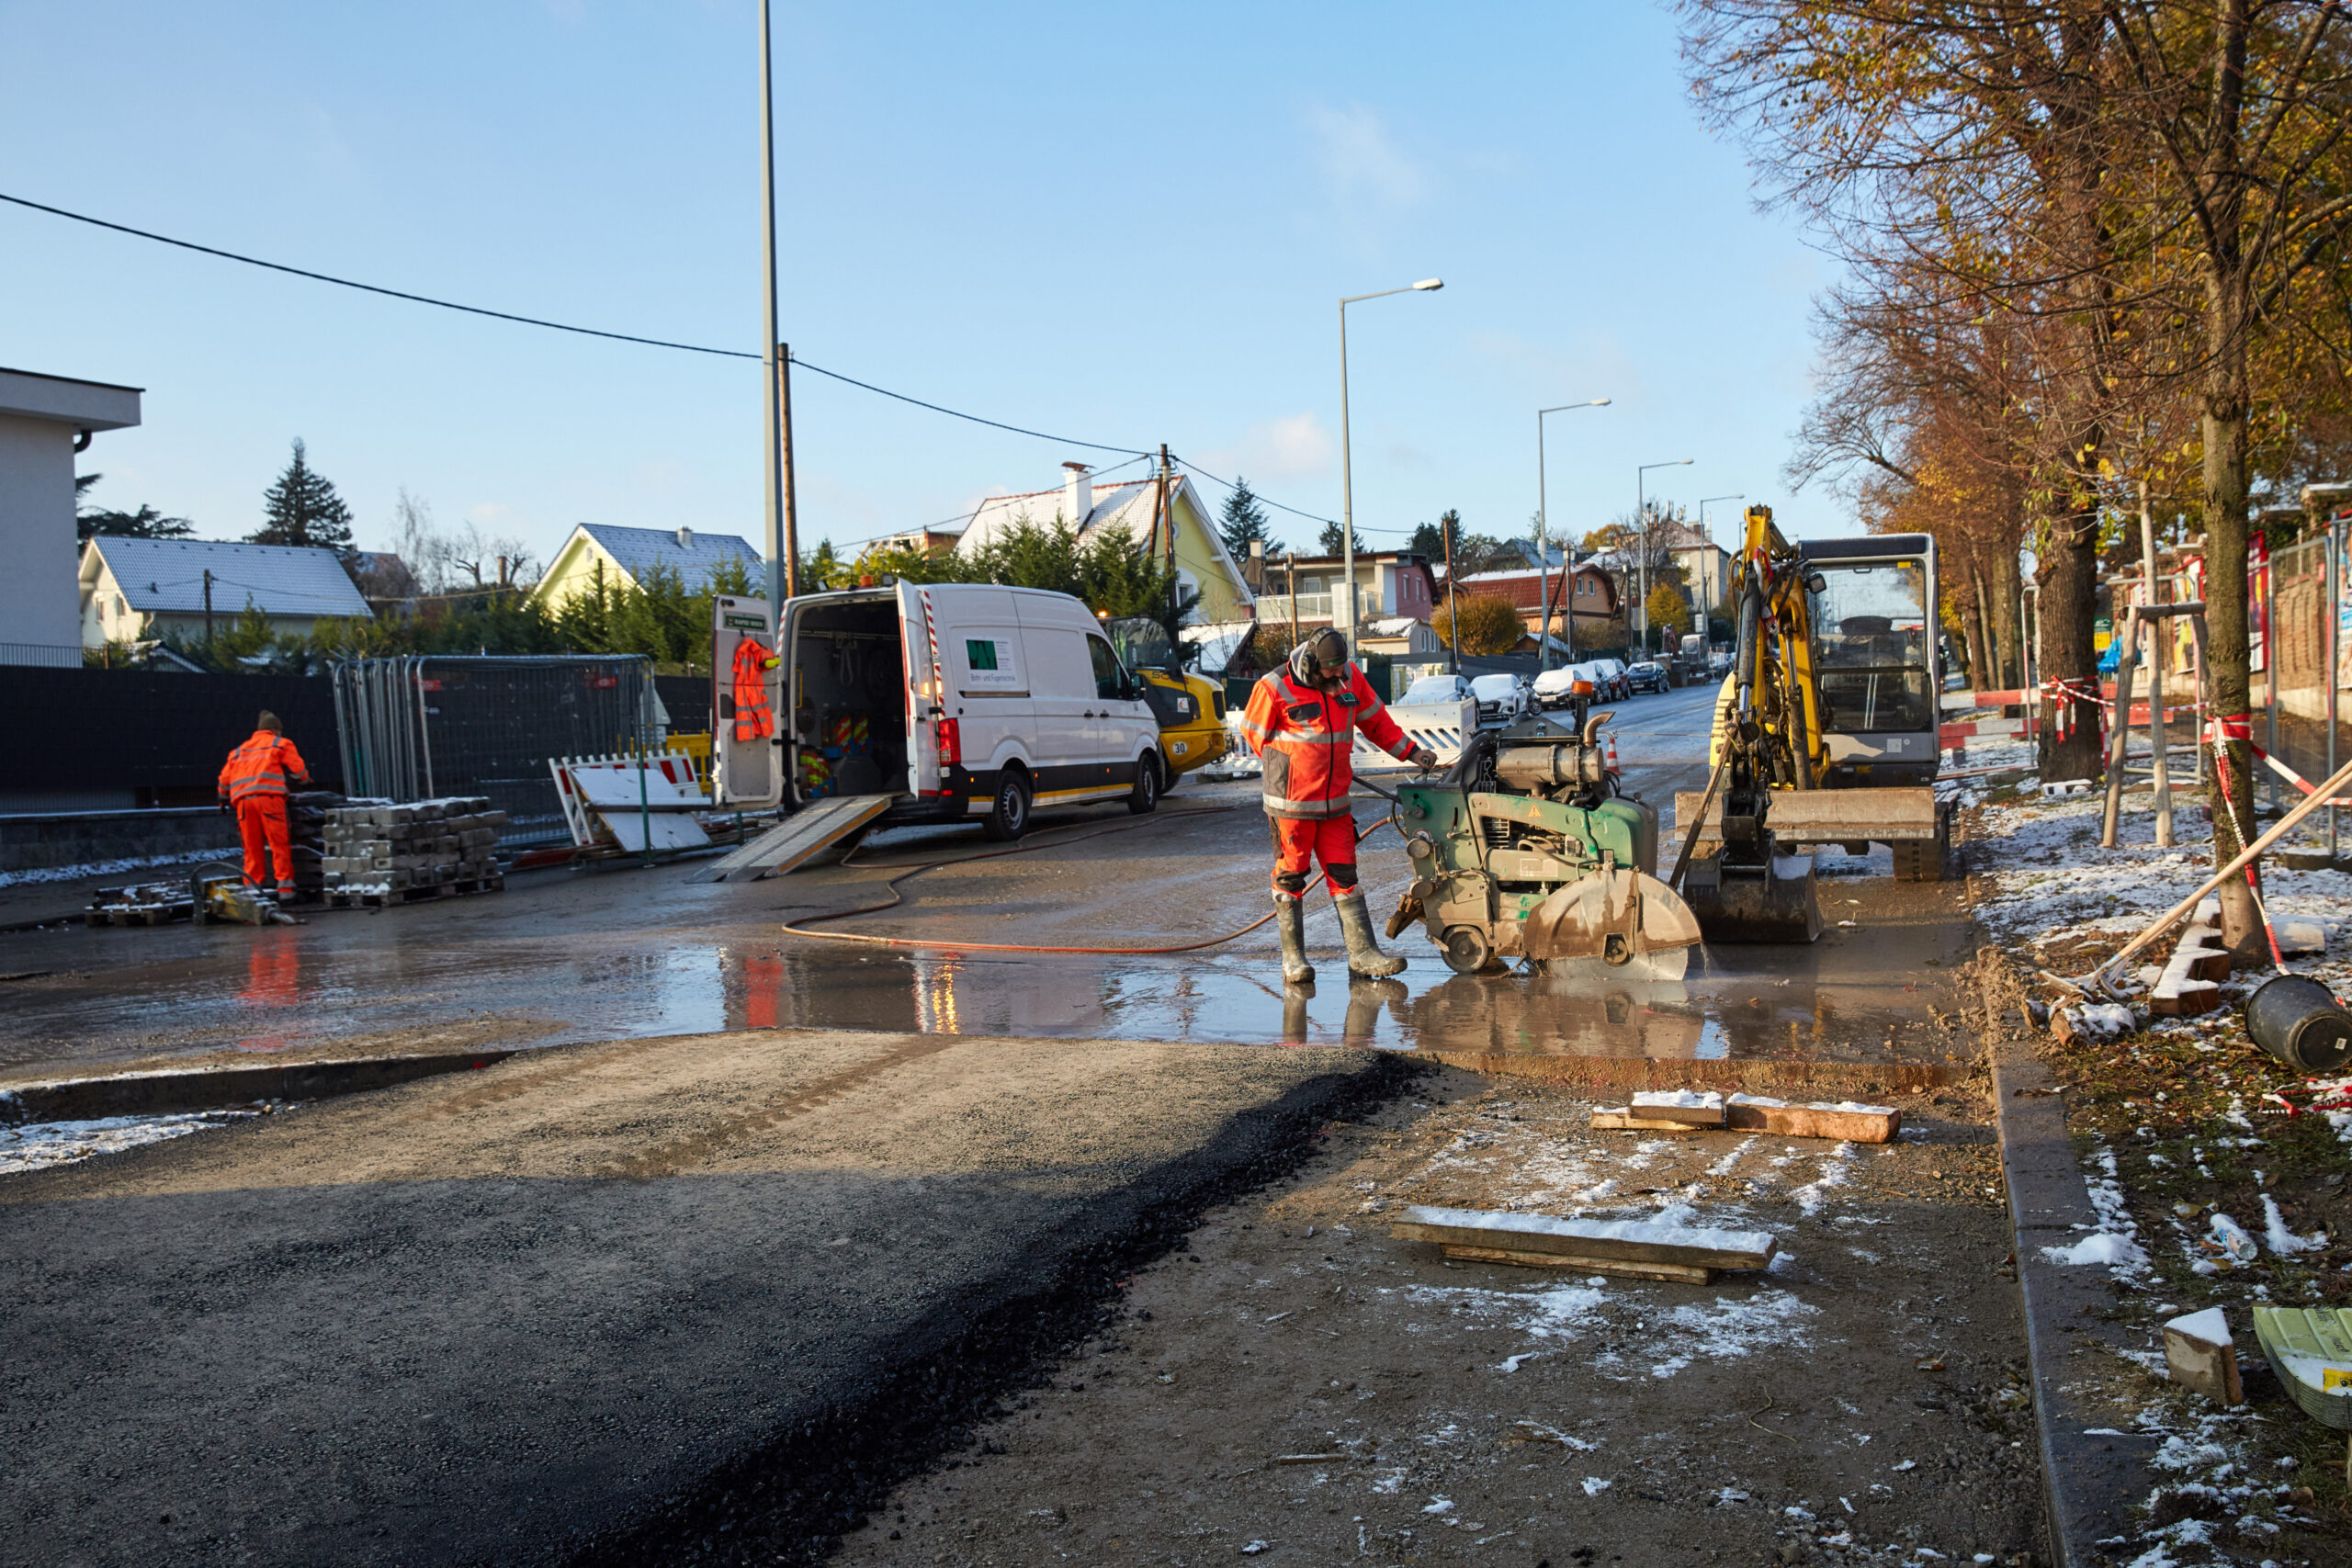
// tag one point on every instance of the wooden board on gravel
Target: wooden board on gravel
(1638, 1246)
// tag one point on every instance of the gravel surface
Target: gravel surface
(603, 1302)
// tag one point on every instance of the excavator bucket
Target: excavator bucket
(1772, 902)
(1631, 923)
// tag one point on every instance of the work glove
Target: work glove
(1423, 758)
(224, 808)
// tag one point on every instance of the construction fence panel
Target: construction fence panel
(422, 726)
(2296, 688)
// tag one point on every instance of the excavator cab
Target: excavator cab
(1876, 659)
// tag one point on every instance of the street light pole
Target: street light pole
(1347, 466)
(1543, 554)
(773, 390)
(1642, 560)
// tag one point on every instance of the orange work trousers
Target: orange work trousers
(261, 818)
(1298, 843)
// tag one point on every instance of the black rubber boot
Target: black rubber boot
(1364, 956)
(1290, 924)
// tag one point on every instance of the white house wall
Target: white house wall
(38, 597)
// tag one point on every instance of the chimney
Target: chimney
(686, 538)
(1078, 494)
(1253, 571)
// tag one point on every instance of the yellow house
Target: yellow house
(1202, 564)
(618, 556)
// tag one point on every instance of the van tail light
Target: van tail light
(951, 743)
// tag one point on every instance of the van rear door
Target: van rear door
(926, 691)
(746, 773)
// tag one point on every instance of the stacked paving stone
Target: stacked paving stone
(414, 850)
(306, 821)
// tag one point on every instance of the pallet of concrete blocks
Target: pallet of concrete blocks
(377, 854)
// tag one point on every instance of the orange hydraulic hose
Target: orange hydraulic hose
(799, 927)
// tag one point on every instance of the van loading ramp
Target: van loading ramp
(797, 837)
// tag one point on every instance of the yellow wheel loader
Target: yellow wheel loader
(1190, 707)
(1824, 732)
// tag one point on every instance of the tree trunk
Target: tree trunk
(2229, 312)
(2006, 643)
(2072, 739)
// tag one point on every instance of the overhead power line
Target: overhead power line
(625, 337)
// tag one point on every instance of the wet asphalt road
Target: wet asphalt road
(563, 956)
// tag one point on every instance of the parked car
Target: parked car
(1613, 684)
(1501, 697)
(1647, 676)
(1434, 689)
(1557, 688)
(1014, 698)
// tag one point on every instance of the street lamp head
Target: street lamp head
(1684, 462)
(1429, 284)
(1598, 403)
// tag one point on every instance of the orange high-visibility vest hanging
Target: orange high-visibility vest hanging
(753, 719)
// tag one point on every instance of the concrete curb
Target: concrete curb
(161, 1093)
(2094, 1467)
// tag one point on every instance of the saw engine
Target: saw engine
(1526, 850)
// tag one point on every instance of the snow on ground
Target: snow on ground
(110, 868)
(2048, 878)
(36, 1145)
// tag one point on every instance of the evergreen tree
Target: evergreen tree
(144, 523)
(1329, 542)
(302, 508)
(1244, 521)
(1429, 540)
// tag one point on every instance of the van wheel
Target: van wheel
(1008, 816)
(1145, 798)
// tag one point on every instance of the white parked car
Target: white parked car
(1557, 688)
(1446, 689)
(1501, 698)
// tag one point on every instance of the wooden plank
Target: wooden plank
(1616, 1266)
(1846, 1121)
(797, 837)
(1636, 1241)
(2191, 982)
(1698, 1108)
(1617, 1119)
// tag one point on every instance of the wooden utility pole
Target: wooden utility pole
(1453, 605)
(791, 507)
(208, 604)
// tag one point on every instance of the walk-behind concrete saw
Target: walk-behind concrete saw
(1525, 849)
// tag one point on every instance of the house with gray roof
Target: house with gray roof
(140, 590)
(622, 557)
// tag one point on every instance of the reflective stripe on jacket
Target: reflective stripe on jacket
(753, 719)
(1304, 737)
(265, 764)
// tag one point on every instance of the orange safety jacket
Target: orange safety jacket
(262, 765)
(1305, 738)
(753, 719)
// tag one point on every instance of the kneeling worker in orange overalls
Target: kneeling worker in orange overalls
(1302, 719)
(255, 784)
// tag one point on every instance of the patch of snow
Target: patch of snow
(1835, 1166)
(1724, 1328)
(1594, 1485)
(36, 1145)
(2284, 1241)
(1723, 1166)
(1440, 1505)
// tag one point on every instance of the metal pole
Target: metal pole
(2333, 590)
(1641, 558)
(791, 551)
(1347, 497)
(1542, 560)
(2158, 737)
(774, 382)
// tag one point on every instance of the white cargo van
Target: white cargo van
(960, 701)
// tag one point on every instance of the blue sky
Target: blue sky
(1127, 226)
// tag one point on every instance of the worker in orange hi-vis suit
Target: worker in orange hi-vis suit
(1302, 718)
(253, 784)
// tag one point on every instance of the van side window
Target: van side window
(1110, 679)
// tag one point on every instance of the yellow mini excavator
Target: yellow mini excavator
(1824, 733)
